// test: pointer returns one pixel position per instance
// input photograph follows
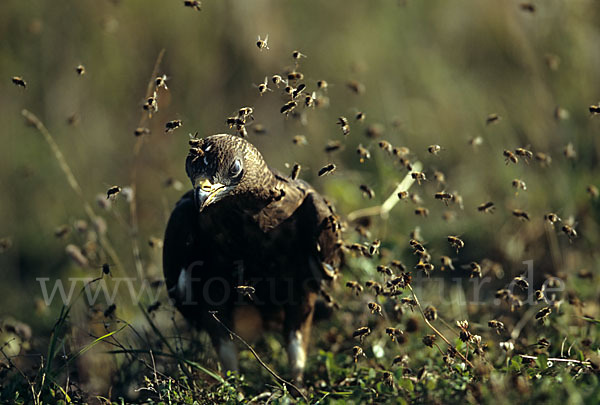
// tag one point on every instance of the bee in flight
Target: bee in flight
(262, 43)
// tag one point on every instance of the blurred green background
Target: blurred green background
(433, 71)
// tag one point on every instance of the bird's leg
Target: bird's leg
(297, 325)
(223, 342)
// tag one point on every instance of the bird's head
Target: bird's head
(220, 166)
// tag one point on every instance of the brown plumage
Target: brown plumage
(245, 225)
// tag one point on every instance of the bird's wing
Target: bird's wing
(181, 241)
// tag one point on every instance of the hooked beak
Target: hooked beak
(205, 193)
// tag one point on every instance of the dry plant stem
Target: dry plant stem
(262, 363)
(463, 358)
(134, 229)
(583, 363)
(35, 121)
(384, 209)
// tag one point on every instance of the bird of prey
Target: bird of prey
(246, 235)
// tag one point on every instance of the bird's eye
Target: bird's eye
(235, 169)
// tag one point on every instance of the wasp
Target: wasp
(375, 286)
(487, 207)
(141, 131)
(296, 55)
(110, 310)
(355, 286)
(492, 119)
(363, 153)
(357, 351)
(367, 191)
(446, 263)
(551, 218)
(430, 313)
(288, 107)
(475, 270)
(445, 197)
(429, 340)
(296, 92)
(421, 212)
(523, 215)
(524, 153)
(497, 325)
(394, 333)
(80, 69)
(112, 192)
(362, 332)
(386, 146)
(262, 43)
(527, 7)
(544, 159)
(295, 171)
(476, 141)
(418, 176)
(519, 184)
(569, 231)
(327, 169)
(356, 87)
(456, 242)
(195, 4)
(570, 152)
(161, 81)
(434, 149)
(246, 290)
(294, 75)
(19, 81)
(173, 125)
(510, 157)
(343, 123)
(375, 308)
(521, 283)
(403, 195)
(543, 313)
(263, 88)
